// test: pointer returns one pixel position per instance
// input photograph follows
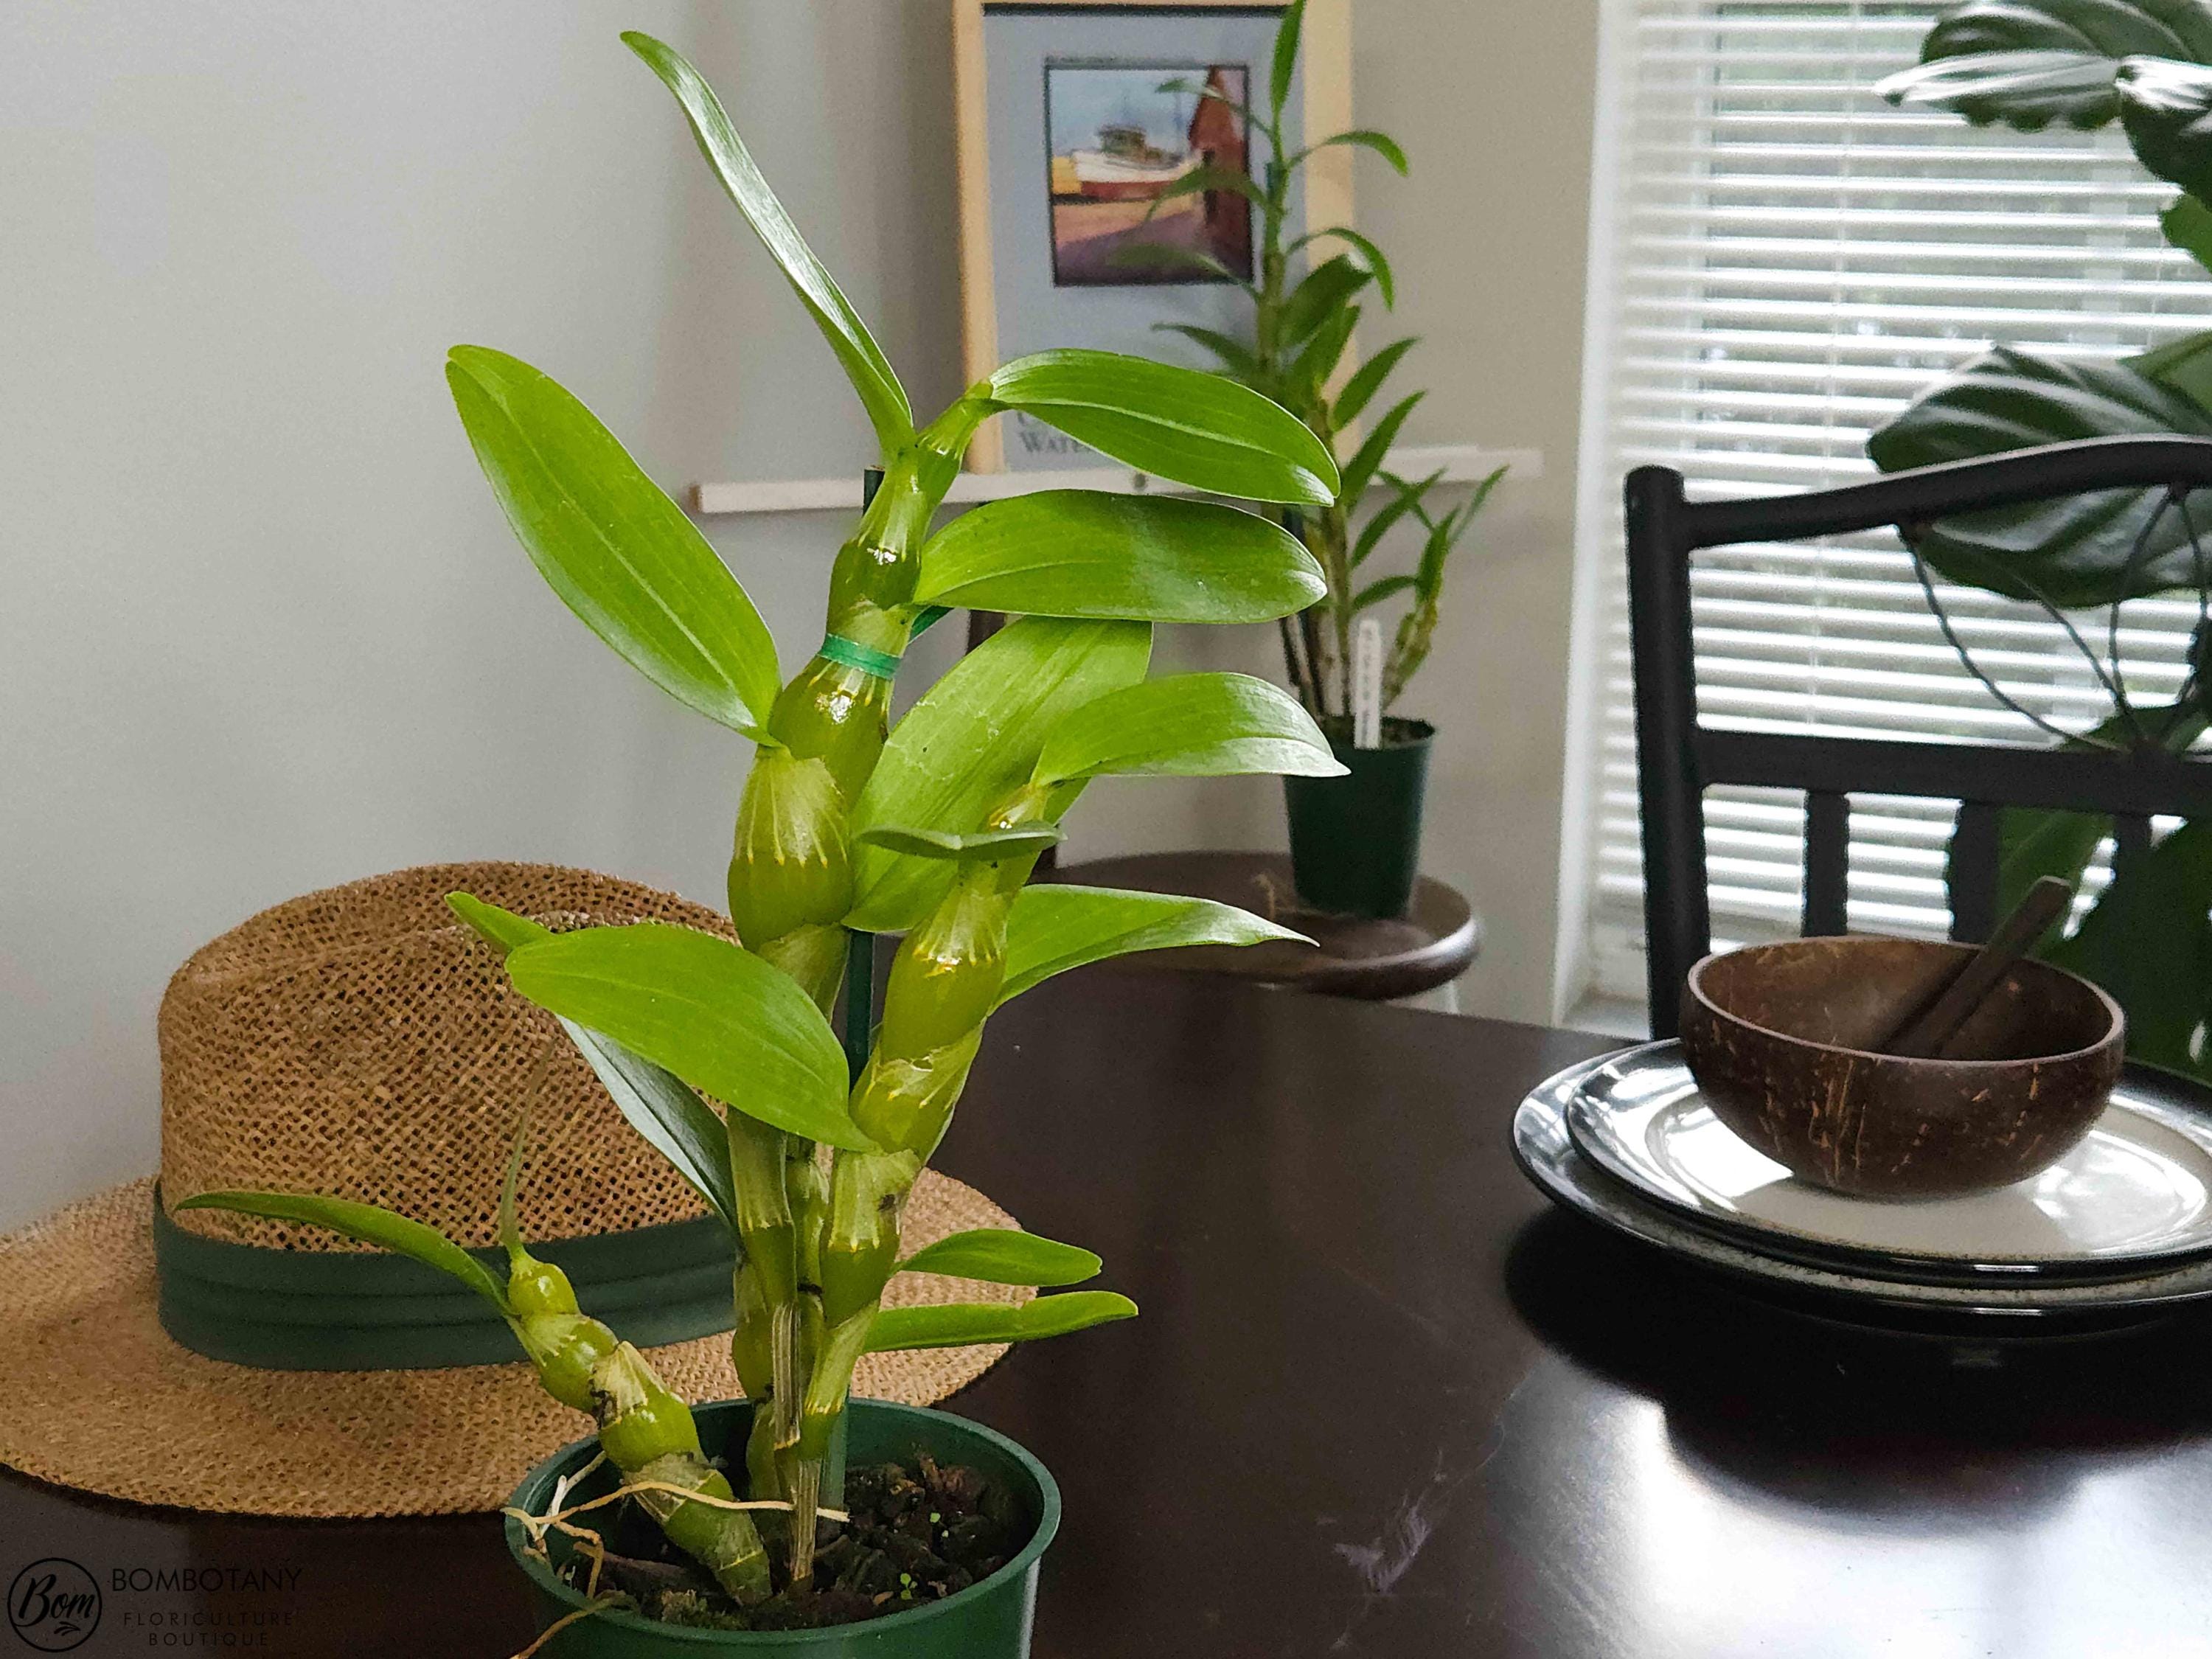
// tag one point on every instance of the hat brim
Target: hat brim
(99, 1397)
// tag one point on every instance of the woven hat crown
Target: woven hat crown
(362, 1042)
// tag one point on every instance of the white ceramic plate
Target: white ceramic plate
(2136, 1192)
(1546, 1152)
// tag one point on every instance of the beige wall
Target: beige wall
(1492, 101)
(264, 629)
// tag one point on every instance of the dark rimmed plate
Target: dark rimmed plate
(2133, 1197)
(1546, 1152)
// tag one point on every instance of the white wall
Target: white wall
(262, 628)
(1493, 100)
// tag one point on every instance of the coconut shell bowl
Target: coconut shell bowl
(1781, 1039)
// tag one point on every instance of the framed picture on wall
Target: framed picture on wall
(1075, 117)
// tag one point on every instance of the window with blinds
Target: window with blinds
(1781, 260)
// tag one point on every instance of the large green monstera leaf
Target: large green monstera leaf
(2029, 63)
(2073, 552)
(2166, 108)
(2148, 942)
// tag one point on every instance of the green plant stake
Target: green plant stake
(848, 827)
(860, 947)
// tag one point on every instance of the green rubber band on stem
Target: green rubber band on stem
(877, 664)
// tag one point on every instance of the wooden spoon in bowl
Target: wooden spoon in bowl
(1927, 1026)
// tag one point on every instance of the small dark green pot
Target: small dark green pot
(1356, 840)
(987, 1620)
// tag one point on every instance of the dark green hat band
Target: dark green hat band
(322, 1311)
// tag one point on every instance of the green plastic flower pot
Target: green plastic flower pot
(1356, 840)
(989, 1620)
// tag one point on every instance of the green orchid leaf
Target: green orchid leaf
(963, 1324)
(1284, 63)
(1446, 533)
(1367, 380)
(674, 1121)
(1378, 266)
(1146, 558)
(610, 543)
(2148, 942)
(1161, 257)
(1056, 926)
(970, 742)
(1235, 356)
(977, 845)
(502, 929)
(2187, 224)
(2166, 108)
(1368, 459)
(1181, 423)
(1204, 180)
(1324, 290)
(1376, 591)
(863, 362)
(1187, 726)
(2072, 551)
(1004, 1255)
(370, 1224)
(1190, 88)
(2027, 63)
(1406, 499)
(717, 1015)
(1365, 139)
(1318, 359)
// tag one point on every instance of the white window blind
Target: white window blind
(1785, 259)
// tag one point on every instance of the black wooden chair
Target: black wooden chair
(1678, 758)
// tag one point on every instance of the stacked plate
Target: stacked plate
(2124, 1220)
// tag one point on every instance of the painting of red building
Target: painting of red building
(1126, 142)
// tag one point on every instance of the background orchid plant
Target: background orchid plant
(1303, 313)
(849, 828)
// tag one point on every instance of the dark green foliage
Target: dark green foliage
(2148, 63)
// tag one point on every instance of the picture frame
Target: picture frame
(1067, 125)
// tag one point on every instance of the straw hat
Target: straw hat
(360, 1042)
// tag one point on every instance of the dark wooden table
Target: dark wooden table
(1376, 958)
(1382, 1401)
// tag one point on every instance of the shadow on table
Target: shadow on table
(1802, 1399)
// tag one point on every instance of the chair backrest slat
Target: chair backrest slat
(1678, 759)
(1827, 862)
(2066, 780)
(2130, 838)
(1973, 872)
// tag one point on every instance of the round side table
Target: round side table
(1380, 961)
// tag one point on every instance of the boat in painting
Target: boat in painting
(1126, 166)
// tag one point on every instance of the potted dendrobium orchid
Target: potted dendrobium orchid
(743, 1523)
